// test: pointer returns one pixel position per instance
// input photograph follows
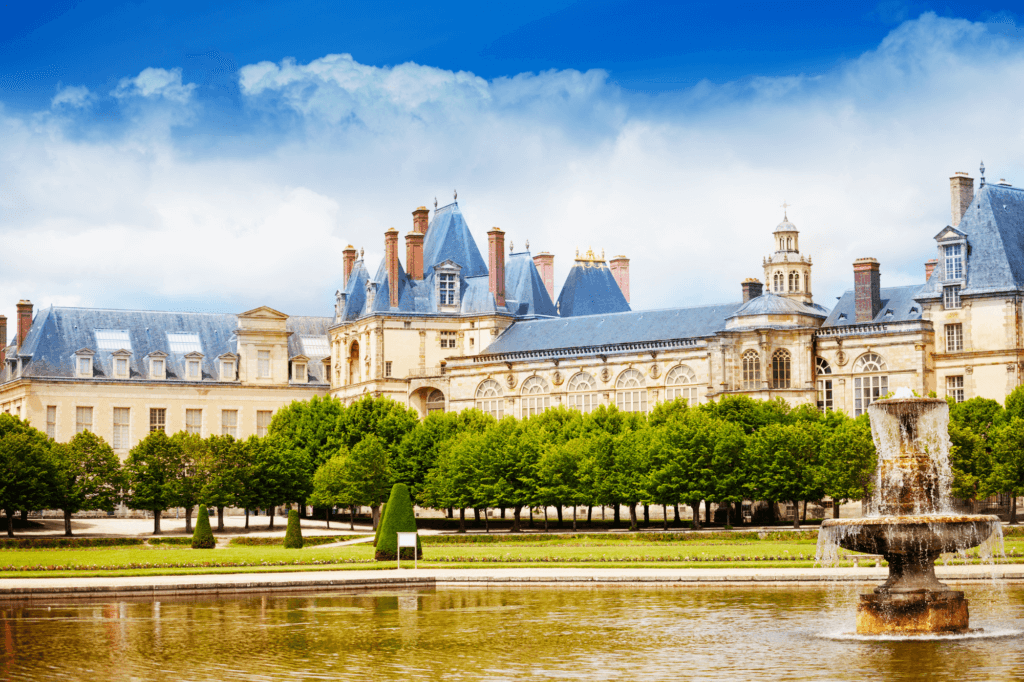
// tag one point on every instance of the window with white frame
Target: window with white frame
(582, 392)
(781, 369)
(868, 389)
(387, 368)
(227, 368)
(83, 419)
(83, 362)
(121, 368)
(229, 423)
(951, 297)
(263, 418)
(631, 392)
(157, 419)
(794, 281)
(195, 372)
(448, 339)
(194, 421)
(680, 382)
(51, 421)
(435, 402)
(824, 384)
(446, 292)
(263, 360)
(954, 261)
(121, 421)
(157, 367)
(751, 362)
(535, 396)
(489, 398)
(954, 338)
(299, 372)
(955, 388)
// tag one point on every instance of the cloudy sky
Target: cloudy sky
(219, 158)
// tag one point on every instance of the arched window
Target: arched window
(824, 380)
(780, 282)
(353, 363)
(680, 383)
(751, 371)
(489, 398)
(789, 243)
(535, 396)
(868, 389)
(630, 392)
(781, 371)
(794, 281)
(582, 394)
(435, 402)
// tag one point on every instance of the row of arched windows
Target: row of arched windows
(782, 370)
(780, 282)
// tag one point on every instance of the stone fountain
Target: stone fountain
(911, 522)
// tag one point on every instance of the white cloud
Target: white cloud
(74, 96)
(153, 82)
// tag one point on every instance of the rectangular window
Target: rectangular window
(264, 364)
(315, 346)
(867, 390)
(532, 405)
(691, 394)
(85, 367)
(631, 401)
(194, 371)
(493, 406)
(227, 370)
(387, 368)
(158, 368)
(122, 367)
(299, 372)
(121, 415)
(113, 339)
(954, 338)
(407, 325)
(83, 419)
(229, 423)
(955, 388)
(448, 339)
(584, 402)
(954, 261)
(51, 421)
(951, 297)
(446, 290)
(263, 418)
(158, 419)
(194, 421)
(184, 342)
(824, 395)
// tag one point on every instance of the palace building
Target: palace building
(447, 329)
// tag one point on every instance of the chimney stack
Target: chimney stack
(867, 290)
(961, 190)
(929, 267)
(24, 321)
(752, 288)
(496, 264)
(414, 255)
(620, 271)
(391, 262)
(3, 341)
(419, 220)
(350, 260)
(545, 263)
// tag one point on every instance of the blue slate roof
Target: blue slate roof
(612, 328)
(448, 238)
(773, 304)
(590, 289)
(57, 333)
(898, 305)
(525, 293)
(994, 225)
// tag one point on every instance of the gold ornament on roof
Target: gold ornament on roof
(590, 256)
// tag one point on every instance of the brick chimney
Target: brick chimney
(752, 288)
(545, 263)
(391, 263)
(419, 220)
(24, 321)
(929, 267)
(3, 341)
(620, 271)
(496, 264)
(867, 290)
(350, 261)
(961, 190)
(414, 255)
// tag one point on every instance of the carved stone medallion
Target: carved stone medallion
(511, 380)
(557, 378)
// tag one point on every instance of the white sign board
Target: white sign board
(407, 540)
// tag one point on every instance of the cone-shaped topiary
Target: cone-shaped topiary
(202, 536)
(293, 536)
(398, 518)
(380, 524)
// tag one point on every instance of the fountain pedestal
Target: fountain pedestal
(912, 613)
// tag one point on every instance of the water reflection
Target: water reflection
(585, 633)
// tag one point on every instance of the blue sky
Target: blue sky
(218, 156)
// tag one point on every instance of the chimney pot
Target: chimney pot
(867, 289)
(620, 271)
(545, 263)
(414, 255)
(496, 264)
(929, 267)
(24, 321)
(419, 220)
(752, 288)
(349, 259)
(391, 263)
(961, 190)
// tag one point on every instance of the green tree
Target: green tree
(969, 461)
(1014, 405)
(1007, 471)
(275, 475)
(383, 418)
(310, 431)
(507, 468)
(561, 475)
(330, 487)
(418, 452)
(368, 473)
(87, 476)
(203, 538)
(452, 481)
(686, 448)
(848, 462)
(752, 415)
(149, 470)
(399, 517)
(26, 469)
(225, 469)
(729, 466)
(189, 470)
(783, 460)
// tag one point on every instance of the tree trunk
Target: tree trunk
(835, 509)
(545, 518)
(10, 523)
(487, 522)
(707, 512)
(67, 522)
(558, 510)
(590, 511)
(302, 510)
(805, 511)
(220, 518)
(374, 515)
(574, 508)
(156, 522)
(531, 516)
(476, 514)
(696, 514)
(796, 514)
(632, 517)
(188, 520)
(647, 515)
(615, 516)
(516, 511)
(728, 514)
(247, 518)
(451, 513)
(24, 517)
(352, 517)
(502, 512)
(462, 519)
(1013, 509)
(676, 520)
(327, 515)
(664, 517)
(271, 514)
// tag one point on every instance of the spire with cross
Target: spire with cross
(785, 206)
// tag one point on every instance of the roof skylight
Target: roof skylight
(113, 339)
(184, 342)
(315, 346)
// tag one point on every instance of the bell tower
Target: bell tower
(786, 272)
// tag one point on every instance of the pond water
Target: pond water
(515, 633)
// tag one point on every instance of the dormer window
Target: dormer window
(299, 365)
(228, 362)
(157, 365)
(446, 287)
(954, 261)
(194, 366)
(83, 363)
(121, 364)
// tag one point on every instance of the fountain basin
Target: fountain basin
(919, 535)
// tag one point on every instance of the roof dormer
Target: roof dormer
(83, 363)
(194, 366)
(157, 365)
(121, 361)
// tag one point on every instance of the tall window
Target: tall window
(751, 370)
(121, 419)
(157, 419)
(535, 396)
(83, 419)
(85, 366)
(193, 370)
(779, 281)
(263, 357)
(435, 402)
(263, 418)
(955, 388)
(954, 338)
(868, 389)
(121, 367)
(157, 371)
(582, 394)
(448, 338)
(229, 423)
(824, 381)
(631, 392)
(680, 382)
(794, 281)
(489, 398)
(954, 261)
(446, 290)
(51, 421)
(194, 421)
(387, 368)
(951, 297)
(781, 377)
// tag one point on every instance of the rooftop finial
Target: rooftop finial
(527, 244)
(360, 254)
(435, 203)
(982, 173)
(510, 246)
(456, 193)
(785, 206)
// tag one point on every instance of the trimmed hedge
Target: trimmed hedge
(171, 541)
(67, 543)
(293, 536)
(380, 523)
(398, 518)
(311, 541)
(625, 538)
(203, 538)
